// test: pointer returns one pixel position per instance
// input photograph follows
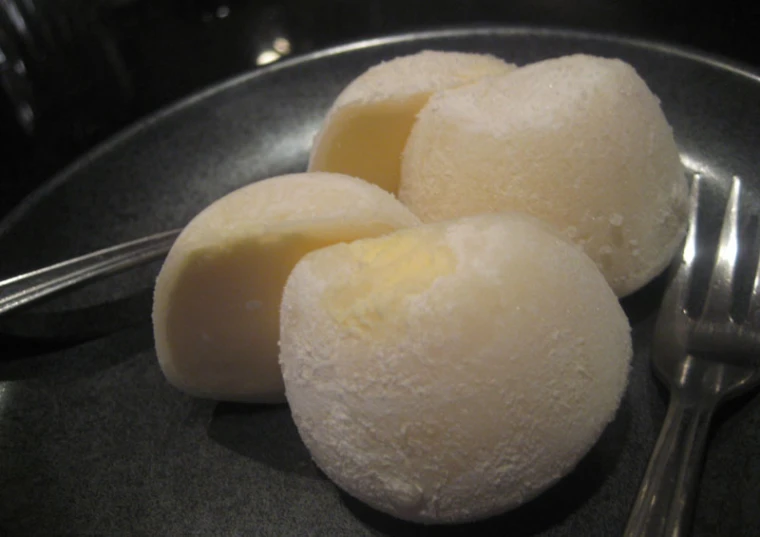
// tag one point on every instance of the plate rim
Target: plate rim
(121, 136)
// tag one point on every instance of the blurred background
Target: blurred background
(73, 72)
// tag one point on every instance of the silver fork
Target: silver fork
(703, 359)
(31, 287)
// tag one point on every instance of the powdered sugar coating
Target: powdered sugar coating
(477, 361)
(424, 72)
(578, 141)
(291, 202)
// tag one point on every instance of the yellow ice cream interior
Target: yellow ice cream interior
(224, 308)
(391, 269)
(367, 140)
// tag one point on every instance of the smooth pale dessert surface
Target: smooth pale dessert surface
(365, 131)
(217, 297)
(452, 371)
(579, 141)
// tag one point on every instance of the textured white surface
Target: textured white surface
(578, 141)
(217, 297)
(452, 371)
(365, 130)
(422, 73)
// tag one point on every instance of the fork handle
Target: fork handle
(36, 285)
(664, 504)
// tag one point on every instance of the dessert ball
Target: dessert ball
(217, 297)
(452, 371)
(366, 129)
(578, 141)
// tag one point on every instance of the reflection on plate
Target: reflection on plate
(92, 439)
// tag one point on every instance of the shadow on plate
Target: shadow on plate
(646, 301)
(549, 509)
(737, 405)
(265, 433)
(29, 333)
(67, 362)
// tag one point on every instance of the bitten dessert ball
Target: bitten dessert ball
(366, 129)
(452, 371)
(578, 141)
(217, 297)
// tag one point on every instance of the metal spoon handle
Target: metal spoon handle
(32, 286)
(666, 497)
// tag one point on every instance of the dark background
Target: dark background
(73, 72)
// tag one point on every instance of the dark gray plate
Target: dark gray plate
(93, 441)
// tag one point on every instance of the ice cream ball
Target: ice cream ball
(365, 131)
(217, 297)
(578, 141)
(452, 371)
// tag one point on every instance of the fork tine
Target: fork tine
(753, 314)
(690, 245)
(720, 290)
(675, 296)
